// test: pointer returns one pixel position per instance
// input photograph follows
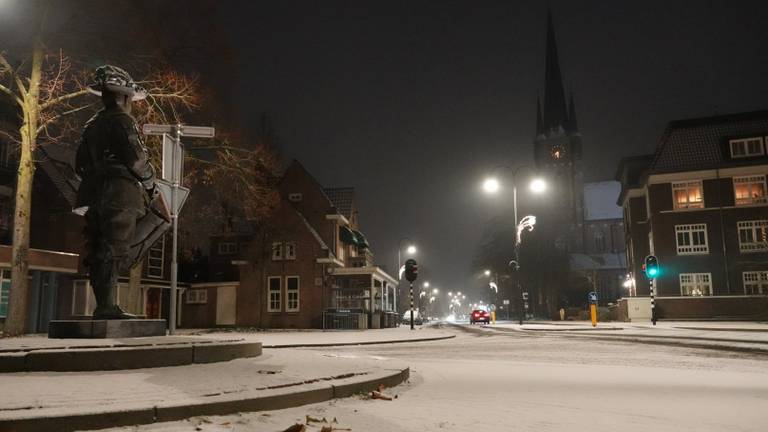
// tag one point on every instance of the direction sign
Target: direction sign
(173, 159)
(183, 130)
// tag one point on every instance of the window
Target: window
(747, 147)
(5, 291)
(755, 282)
(749, 190)
(295, 197)
(83, 301)
(274, 293)
(688, 195)
(691, 239)
(290, 250)
(277, 251)
(155, 259)
(227, 248)
(599, 241)
(292, 293)
(197, 296)
(752, 235)
(696, 284)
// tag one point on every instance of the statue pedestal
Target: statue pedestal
(95, 329)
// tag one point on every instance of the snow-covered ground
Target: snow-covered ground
(513, 381)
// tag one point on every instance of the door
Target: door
(226, 297)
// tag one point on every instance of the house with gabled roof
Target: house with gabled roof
(700, 204)
(309, 267)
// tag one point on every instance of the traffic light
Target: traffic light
(651, 267)
(411, 270)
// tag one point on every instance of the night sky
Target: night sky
(413, 102)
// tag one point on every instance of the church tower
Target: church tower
(557, 154)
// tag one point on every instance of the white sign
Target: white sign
(166, 189)
(505, 301)
(183, 130)
(173, 159)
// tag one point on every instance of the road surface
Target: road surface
(483, 381)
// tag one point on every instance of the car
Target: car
(417, 319)
(479, 315)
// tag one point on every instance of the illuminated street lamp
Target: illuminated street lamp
(426, 284)
(487, 272)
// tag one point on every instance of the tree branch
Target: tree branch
(58, 116)
(64, 98)
(14, 97)
(7, 65)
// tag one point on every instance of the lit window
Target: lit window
(599, 241)
(749, 190)
(752, 235)
(747, 147)
(292, 293)
(277, 251)
(290, 250)
(197, 296)
(155, 259)
(688, 195)
(696, 284)
(227, 248)
(691, 239)
(274, 293)
(755, 282)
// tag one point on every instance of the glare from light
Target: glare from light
(458, 293)
(435, 290)
(426, 284)
(463, 297)
(451, 318)
(411, 250)
(491, 185)
(487, 272)
(450, 293)
(629, 282)
(538, 186)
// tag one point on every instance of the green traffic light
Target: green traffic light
(653, 271)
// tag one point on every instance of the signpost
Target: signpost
(592, 297)
(175, 194)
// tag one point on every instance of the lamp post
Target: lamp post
(491, 185)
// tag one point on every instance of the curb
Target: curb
(360, 343)
(125, 357)
(154, 414)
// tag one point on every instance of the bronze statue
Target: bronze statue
(117, 188)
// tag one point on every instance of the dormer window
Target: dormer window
(747, 147)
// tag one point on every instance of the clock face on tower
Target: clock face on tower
(557, 152)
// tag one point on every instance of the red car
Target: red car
(479, 315)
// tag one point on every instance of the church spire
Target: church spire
(554, 95)
(573, 125)
(539, 122)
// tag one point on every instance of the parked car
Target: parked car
(417, 319)
(479, 315)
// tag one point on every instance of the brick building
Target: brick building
(309, 266)
(699, 204)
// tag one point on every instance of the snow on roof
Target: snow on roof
(600, 200)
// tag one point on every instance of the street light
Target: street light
(435, 290)
(426, 284)
(487, 272)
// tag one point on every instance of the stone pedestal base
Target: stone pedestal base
(93, 329)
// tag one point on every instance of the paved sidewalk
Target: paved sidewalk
(278, 378)
(737, 336)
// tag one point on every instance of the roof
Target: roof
(600, 200)
(343, 199)
(313, 231)
(606, 261)
(695, 144)
(57, 161)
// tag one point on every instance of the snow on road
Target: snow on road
(523, 382)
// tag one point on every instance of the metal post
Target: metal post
(411, 284)
(522, 302)
(653, 301)
(175, 222)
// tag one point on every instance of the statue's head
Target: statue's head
(115, 87)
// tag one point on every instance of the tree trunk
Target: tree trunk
(17, 303)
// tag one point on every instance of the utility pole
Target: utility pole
(170, 185)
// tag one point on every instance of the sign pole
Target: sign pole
(411, 284)
(653, 301)
(177, 159)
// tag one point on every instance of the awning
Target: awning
(347, 236)
(361, 240)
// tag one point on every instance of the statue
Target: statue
(124, 212)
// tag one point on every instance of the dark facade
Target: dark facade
(700, 205)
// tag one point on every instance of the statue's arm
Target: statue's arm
(133, 153)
